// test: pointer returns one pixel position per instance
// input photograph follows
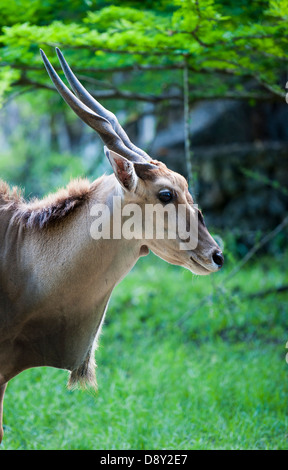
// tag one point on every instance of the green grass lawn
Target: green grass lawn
(182, 364)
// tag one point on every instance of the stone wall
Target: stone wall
(229, 140)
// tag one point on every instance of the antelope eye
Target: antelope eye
(165, 195)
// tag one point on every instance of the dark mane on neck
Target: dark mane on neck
(40, 213)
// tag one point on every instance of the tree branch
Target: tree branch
(263, 293)
(256, 248)
(187, 125)
(108, 94)
(115, 93)
(269, 87)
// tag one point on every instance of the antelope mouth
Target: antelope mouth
(200, 266)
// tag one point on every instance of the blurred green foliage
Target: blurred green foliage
(240, 40)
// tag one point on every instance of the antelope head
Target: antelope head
(145, 182)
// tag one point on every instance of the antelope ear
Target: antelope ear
(123, 170)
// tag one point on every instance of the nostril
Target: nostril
(218, 258)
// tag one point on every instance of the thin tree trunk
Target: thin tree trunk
(187, 126)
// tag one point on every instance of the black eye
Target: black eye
(165, 195)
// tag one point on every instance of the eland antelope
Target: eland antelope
(56, 279)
